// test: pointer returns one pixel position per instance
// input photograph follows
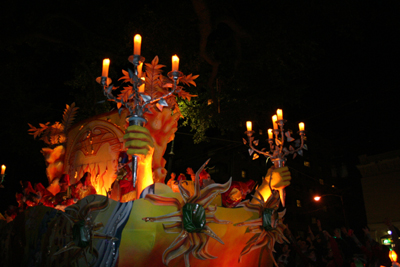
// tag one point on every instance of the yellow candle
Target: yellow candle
(3, 169)
(279, 113)
(106, 65)
(141, 88)
(139, 69)
(301, 126)
(248, 126)
(270, 134)
(137, 42)
(274, 124)
(175, 63)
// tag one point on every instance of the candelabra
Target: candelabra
(137, 101)
(276, 139)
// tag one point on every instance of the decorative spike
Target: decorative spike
(162, 102)
(251, 151)
(146, 98)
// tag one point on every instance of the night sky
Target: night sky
(332, 64)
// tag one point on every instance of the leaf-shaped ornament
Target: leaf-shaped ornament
(255, 142)
(146, 98)
(251, 151)
(244, 140)
(162, 102)
(288, 137)
(300, 152)
(255, 156)
(305, 146)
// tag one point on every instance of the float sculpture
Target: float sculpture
(153, 226)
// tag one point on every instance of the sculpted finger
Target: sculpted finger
(137, 151)
(141, 137)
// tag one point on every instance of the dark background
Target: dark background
(331, 64)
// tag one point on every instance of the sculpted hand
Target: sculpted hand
(280, 177)
(138, 141)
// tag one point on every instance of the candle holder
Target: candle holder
(278, 149)
(137, 102)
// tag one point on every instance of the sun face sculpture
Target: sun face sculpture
(83, 230)
(268, 228)
(191, 220)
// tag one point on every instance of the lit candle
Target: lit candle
(3, 169)
(274, 124)
(279, 113)
(106, 65)
(137, 42)
(270, 134)
(141, 88)
(139, 69)
(248, 126)
(175, 63)
(301, 126)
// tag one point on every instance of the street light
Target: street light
(318, 198)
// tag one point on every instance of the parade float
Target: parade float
(107, 203)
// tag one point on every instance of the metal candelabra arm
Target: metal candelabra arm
(251, 139)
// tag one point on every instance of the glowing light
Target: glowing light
(106, 65)
(141, 88)
(270, 134)
(175, 63)
(301, 126)
(317, 198)
(389, 232)
(249, 126)
(392, 256)
(274, 124)
(279, 113)
(139, 69)
(3, 169)
(137, 42)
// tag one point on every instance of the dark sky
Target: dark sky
(341, 58)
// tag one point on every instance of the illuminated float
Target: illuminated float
(134, 219)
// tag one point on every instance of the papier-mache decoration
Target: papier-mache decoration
(84, 230)
(191, 220)
(268, 228)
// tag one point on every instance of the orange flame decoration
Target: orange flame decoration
(97, 179)
(392, 256)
